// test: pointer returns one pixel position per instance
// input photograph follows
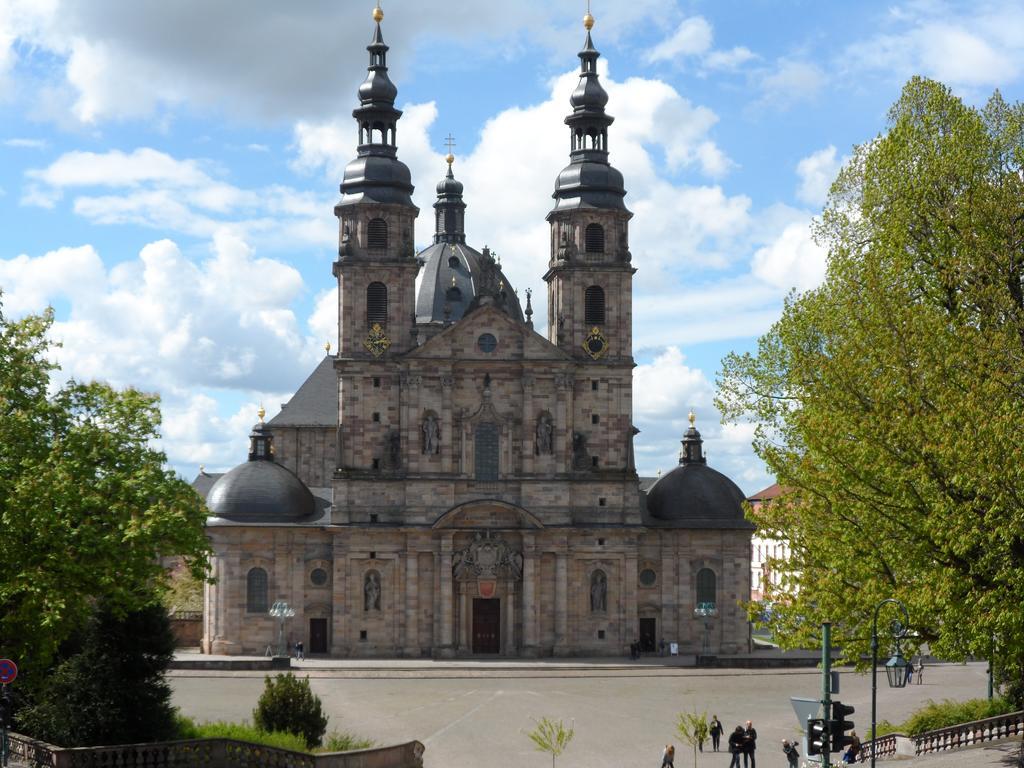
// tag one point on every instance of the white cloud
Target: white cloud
(732, 59)
(789, 82)
(692, 37)
(793, 260)
(667, 388)
(817, 171)
(21, 143)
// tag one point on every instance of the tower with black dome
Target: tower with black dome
(376, 266)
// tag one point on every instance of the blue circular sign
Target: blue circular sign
(8, 671)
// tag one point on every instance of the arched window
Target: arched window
(594, 305)
(486, 452)
(706, 586)
(598, 592)
(256, 591)
(377, 234)
(593, 238)
(376, 304)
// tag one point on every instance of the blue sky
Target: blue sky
(168, 172)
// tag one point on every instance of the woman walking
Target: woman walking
(736, 742)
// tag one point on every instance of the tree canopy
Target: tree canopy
(87, 505)
(889, 401)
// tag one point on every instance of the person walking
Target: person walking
(668, 757)
(920, 671)
(736, 739)
(853, 751)
(910, 673)
(715, 731)
(749, 746)
(791, 753)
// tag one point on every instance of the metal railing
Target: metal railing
(211, 753)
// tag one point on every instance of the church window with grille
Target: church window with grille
(256, 591)
(376, 304)
(377, 234)
(706, 586)
(593, 301)
(593, 238)
(486, 452)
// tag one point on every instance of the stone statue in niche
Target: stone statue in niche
(345, 247)
(371, 592)
(431, 434)
(598, 592)
(545, 435)
(579, 451)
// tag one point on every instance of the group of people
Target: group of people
(743, 741)
(850, 756)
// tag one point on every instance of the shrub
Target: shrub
(945, 713)
(189, 729)
(345, 742)
(288, 704)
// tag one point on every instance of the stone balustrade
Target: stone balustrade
(966, 734)
(883, 746)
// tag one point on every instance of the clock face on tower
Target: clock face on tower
(377, 342)
(595, 345)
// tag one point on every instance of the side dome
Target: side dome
(260, 490)
(693, 495)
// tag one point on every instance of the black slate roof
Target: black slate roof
(315, 403)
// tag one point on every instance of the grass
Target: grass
(336, 742)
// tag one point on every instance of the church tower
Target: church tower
(589, 275)
(376, 266)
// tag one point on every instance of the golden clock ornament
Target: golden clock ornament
(377, 342)
(595, 345)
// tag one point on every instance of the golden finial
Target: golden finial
(378, 14)
(588, 20)
(327, 347)
(261, 413)
(692, 417)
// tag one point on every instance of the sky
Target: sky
(168, 173)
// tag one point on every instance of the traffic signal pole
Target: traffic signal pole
(826, 680)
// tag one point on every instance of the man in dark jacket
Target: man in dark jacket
(791, 753)
(736, 740)
(749, 746)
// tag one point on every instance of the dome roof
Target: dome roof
(695, 495)
(260, 490)
(453, 276)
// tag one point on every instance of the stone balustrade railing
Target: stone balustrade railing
(966, 734)
(883, 746)
(210, 753)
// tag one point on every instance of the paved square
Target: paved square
(473, 715)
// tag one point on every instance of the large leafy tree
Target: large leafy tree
(889, 402)
(87, 505)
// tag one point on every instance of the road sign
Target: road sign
(805, 709)
(8, 671)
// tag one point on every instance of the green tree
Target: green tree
(289, 705)
(693, 729)
(889, 401)
(87, 507)
(552, 737)
(111, 688)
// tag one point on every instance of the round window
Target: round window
(487, 342)
(648, 577)
(318, 576)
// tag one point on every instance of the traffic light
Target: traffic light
(817, 737)
(839, 725)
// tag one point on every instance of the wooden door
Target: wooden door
(318, 635)
(648, 635)
(486, 625)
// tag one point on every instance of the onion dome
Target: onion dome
(376, 174)
(455, 277)
(693, 495)
(589, 181)
(260, 490)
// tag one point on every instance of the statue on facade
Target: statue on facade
(598, 592)
(371, 592)
(545, 435)
(431, 434)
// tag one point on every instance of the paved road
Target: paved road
(477, 714)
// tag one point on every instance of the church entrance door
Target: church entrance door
(486, 625)
(648, 635)
(318, 635)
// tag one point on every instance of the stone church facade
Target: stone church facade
(450, 482)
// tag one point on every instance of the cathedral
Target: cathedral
(449, 482)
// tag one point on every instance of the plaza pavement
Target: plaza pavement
(475, 713)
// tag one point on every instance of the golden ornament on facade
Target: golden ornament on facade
(377, 342)
(595, 345)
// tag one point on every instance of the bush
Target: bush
(288, 704)
(189, 729)
(110, 686)
(346, 742)
(942, 714)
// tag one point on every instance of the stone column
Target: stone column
(561, 601)
(412, 629)
(464, 642)
(340, 609)
(530, 568)
(529, 430)
(447, 603)
(448, 446)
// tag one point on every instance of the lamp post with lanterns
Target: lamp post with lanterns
(705, 611)
(895, 667)
(281, 611)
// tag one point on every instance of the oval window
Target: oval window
(648, 577)
(318, 576)
(487, 342)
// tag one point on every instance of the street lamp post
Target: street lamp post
(705, 611)
(281, 611)
(895, 667)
